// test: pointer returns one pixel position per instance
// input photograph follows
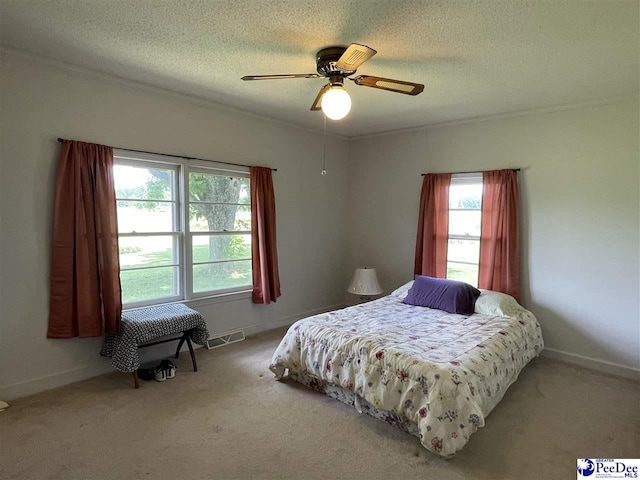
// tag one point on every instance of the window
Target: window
(184, 231)
(465, 217)
(220, 231)
(148, 232)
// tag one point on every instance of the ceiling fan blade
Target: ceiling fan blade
(354, 56)
(408, 88)
(316, 103)
(278, 77)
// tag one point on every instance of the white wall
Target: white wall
(42, 101)
(580, 216)
(579, 194)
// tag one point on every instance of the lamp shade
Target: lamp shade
(364, 282)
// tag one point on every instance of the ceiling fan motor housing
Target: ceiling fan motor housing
(337, 63)
(326, 62)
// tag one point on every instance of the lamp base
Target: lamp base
(365, 298)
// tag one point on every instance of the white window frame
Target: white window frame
(189, 234)
(181, 229)
(461, 179)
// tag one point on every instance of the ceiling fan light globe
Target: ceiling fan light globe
(336, 103)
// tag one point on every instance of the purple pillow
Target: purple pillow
(448, 295)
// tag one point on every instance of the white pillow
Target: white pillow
(497, 304)
(402, 291)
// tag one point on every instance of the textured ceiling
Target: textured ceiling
(475, 58)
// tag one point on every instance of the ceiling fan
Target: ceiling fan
(336, 64)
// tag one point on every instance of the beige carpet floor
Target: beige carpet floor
(232, 420)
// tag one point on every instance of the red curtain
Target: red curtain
(499, 238)
(85, 297)
(264, 254)
(433, 226)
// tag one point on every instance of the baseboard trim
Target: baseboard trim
(287, 321)
(593, 364)
(53, 380)
(59, 379)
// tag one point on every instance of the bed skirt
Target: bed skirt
(360, 404)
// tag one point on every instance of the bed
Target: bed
(434, 374)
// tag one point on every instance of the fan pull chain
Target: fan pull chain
(324, 145)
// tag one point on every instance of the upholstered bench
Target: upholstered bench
(140, 326)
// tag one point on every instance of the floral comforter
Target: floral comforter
(443, 372)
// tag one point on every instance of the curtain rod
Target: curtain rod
(478, 171)
(60, 140)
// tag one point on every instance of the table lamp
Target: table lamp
(364, 283)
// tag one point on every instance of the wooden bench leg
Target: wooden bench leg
(136, 383)
(184, 337)
(193, 357)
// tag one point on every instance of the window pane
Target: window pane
(463, 251)
(144, 182)
(463, 272)
(206, 187)
(465, 222)
(212, 248)
(147, 251)
(465, 196)
(205, 217)
(218, 276)
(145, 216)
(149, 284)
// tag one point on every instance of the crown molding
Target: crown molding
(499, 116)
(194, 99)
(59, 64)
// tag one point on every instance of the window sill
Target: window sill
(218, 298)
(201, 301)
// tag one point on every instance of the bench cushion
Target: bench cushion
(142, 325)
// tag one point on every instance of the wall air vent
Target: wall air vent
(225, 339)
